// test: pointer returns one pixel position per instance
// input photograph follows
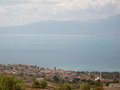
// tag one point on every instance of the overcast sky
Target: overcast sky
(20, 12)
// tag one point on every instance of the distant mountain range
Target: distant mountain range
(111, 25)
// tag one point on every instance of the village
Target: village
(58, 74)
(55, 76)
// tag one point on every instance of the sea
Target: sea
(63, 51)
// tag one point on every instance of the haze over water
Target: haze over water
(67, 51)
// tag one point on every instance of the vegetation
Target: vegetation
(97, 85)
(10, 83)
(85, 86)
(56, 79)
(40, 84)
(67, 86)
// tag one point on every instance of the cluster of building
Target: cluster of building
(58, 74)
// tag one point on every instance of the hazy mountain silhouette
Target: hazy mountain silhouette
(111, 24)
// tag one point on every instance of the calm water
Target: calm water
(64, 51)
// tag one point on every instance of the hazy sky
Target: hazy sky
(20, 12)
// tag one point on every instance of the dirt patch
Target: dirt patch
(113, 88)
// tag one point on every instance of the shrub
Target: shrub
(40, 84)
(67, 86)
(10, 83)
(36, 84)
(84, 86)
(43, 84)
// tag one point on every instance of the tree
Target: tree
(10, 83)
(98, 83)
(84, 86)
(56, 79)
